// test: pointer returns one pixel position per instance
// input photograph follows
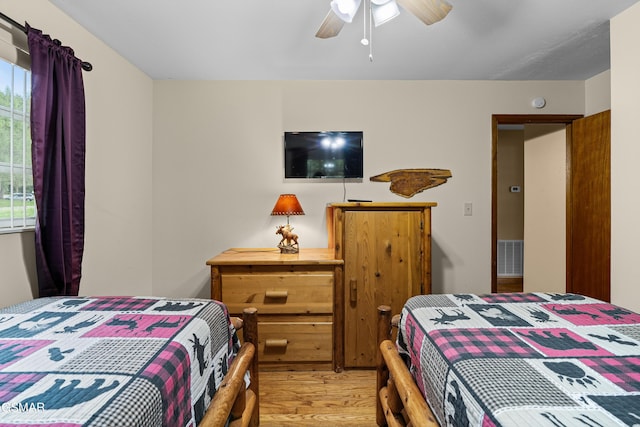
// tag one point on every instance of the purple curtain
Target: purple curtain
(58, 156)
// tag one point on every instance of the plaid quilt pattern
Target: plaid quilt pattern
(511, 297)
(14, 384)
(120, 412)
(171, 374)
(113, 304)
(456, 344)
(622, 371)
(523, 359)
(112, 361)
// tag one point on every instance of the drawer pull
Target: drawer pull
(353, 287)
(276, 294)
(275, 342)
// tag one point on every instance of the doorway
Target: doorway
(588, 218)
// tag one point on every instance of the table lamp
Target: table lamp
(287, 204)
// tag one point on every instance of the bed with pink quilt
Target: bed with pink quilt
(523, 359)
(112, 361)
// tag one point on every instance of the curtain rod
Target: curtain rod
(85, 65)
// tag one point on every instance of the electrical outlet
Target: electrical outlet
(468, 209)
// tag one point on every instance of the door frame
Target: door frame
(519, 119)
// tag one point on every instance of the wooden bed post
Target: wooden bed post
(250, 334)
(399, 401)
(382, 372)
(233, 402)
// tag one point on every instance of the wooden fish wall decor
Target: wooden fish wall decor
(409, 182)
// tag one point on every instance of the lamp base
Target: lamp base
(288, 249)
(289, 242)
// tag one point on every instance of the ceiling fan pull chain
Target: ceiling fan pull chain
(364, 40)
(370, 33)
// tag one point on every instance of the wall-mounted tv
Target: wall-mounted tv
(335, 154)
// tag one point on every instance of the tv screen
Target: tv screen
(335, 154)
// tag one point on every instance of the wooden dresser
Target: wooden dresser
(294, 293)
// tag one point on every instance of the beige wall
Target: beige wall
(218, 167)
(545, 208)
(510, 172)
(598, 93)
(17, 273)
(625, 154)
(118, 248)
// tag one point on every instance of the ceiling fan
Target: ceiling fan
(343, 11)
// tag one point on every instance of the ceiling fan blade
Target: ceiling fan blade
(428, 11)
(330, 27)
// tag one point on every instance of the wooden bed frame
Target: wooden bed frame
(233, 401)
(399, 401)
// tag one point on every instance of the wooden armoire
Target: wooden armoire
(386, 248)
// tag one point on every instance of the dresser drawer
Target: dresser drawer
(308, 339)
(275, 290)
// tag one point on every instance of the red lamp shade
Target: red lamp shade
(287, 204)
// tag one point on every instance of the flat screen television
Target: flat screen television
(335, 154)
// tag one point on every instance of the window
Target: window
(17, 205)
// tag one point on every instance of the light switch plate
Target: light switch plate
(468, 209)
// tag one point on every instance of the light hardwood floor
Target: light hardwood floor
(510, 284)
(318, 398)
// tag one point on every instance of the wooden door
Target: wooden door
(588, 219)
(383, 265)
(589, 207)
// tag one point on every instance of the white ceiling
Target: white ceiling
(275, 39)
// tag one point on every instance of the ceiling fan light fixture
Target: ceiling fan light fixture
(384, 12)
(345, 9)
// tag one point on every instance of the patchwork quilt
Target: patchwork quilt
(527, 359)
(112, 361)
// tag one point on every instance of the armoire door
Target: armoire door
(383, 265)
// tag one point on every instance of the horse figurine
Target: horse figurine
(288, 237)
